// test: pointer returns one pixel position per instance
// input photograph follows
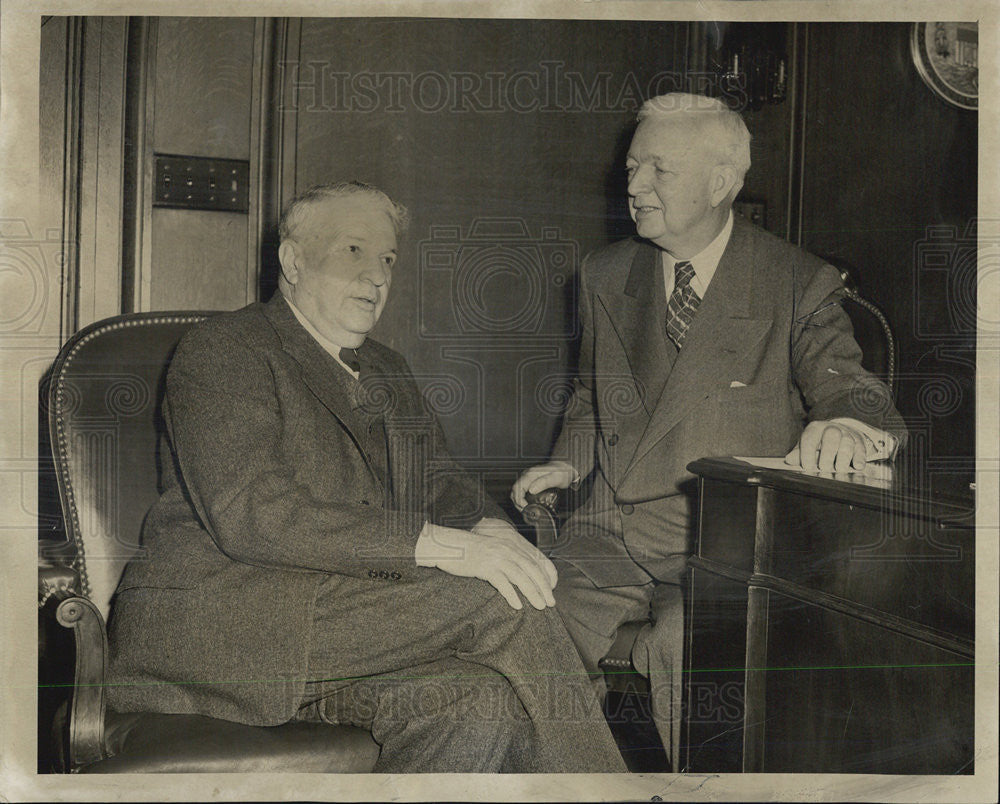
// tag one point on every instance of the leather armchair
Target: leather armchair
(106, 437)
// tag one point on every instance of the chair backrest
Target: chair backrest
(105, 427)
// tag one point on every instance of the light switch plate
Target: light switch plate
(197, 182)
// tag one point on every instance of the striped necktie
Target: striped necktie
(682, 304)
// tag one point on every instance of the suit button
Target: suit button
(612, 439)
(628, 508)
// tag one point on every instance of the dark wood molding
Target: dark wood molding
(137, 179)
(887, 620)
(261, 125)
(755, 692)
(278, 127)
(798, 77)
(288, 105)
(267, 154)
(696, 55)
(72, 102)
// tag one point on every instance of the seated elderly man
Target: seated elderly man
(317, 555)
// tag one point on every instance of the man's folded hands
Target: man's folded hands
(493, 552)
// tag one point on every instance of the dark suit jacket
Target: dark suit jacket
(272, 490)
(769, 349)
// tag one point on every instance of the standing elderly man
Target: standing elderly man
(316, 554)
(703, 336)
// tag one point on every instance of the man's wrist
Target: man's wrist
(879, 445)
(572, 471)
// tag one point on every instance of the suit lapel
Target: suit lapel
(385, 396)
(718, 339)
(636, 313)
(327, 381)
(319, 370)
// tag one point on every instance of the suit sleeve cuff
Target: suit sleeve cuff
(577, 479)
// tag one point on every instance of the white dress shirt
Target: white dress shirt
(704, 262)
(333, 349)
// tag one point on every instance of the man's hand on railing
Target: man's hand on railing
(555, 474)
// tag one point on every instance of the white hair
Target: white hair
(721, 126)
(295, 211)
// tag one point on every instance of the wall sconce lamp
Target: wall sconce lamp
(752, 64)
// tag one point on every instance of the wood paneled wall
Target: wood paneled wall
(115, 91)
(200, 87)
(511, 163)
(890, 185)
(863, 164)
(506, 139)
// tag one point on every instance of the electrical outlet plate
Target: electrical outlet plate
(197, 182)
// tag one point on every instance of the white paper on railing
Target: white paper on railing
(877, 470)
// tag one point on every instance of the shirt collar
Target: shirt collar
(704, 262)
(330, 347)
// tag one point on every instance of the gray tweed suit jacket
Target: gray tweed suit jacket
(273, 480)
(769, 349)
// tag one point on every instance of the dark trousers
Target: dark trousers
(593, 614)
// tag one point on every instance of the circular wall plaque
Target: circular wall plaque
(946, 54)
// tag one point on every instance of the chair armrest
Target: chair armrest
(57, 581)
(890, 341)
(56, 578)
(86, 738)
(540, 513)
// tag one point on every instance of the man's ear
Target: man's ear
(725, 183)
(289, 259)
